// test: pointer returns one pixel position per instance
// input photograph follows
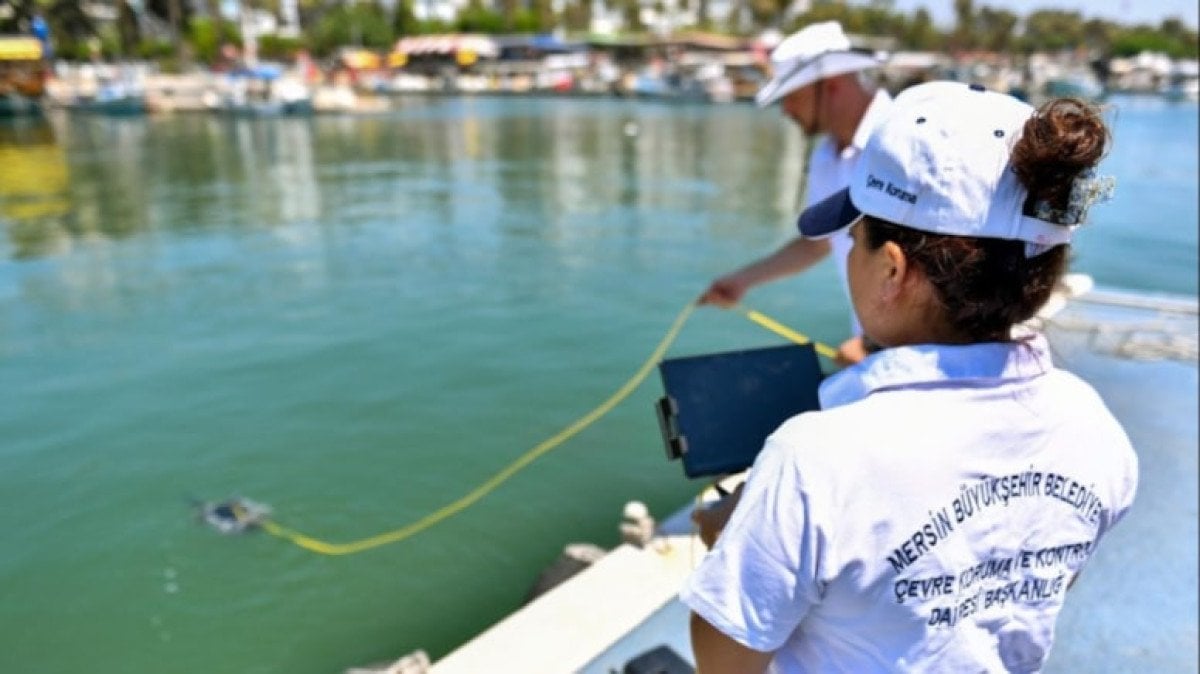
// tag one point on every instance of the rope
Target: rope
(335, 549)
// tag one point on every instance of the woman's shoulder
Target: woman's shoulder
(835, 439)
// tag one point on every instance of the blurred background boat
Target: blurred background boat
(263, 89)
(22, 75)
(1183, 84)
(1078, 83)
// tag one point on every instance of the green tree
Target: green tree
(279, 47)
(877, 19)
(508, 10)
(546, 20)
(921, 33)
(1053, 30)
(175, 13)
(404, 20)
(206, 35)
(356, 24)
(527, 20)
(1137, 39)
(213, 9)
(577, 15)
(995, 29)
(963, 37)
(129, 33)
(1099, 34)
(827, 11)
(475, 18)
(632, 15)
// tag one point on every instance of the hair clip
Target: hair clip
(1086, 190)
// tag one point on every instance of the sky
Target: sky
(1121, 11)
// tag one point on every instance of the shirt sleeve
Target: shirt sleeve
(823, 177)
(1126, 486)
(762, 577)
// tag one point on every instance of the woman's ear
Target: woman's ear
(896, 272)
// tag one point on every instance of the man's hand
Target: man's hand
(725, 291)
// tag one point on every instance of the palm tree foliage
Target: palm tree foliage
(327, 24)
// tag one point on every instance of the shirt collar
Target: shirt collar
(875, 113)
(937, 365)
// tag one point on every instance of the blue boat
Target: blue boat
(118, 99)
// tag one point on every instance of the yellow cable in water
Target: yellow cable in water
(396, 535)
(496, 480)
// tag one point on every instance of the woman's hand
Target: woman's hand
(851, 351)
(712, 519)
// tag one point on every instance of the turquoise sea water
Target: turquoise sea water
(357, 320)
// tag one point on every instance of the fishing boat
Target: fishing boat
(1183, 85)
(115, 98)
(621, 613)
(262, 90)
(1184, 91)
(1078, 83)
(22, 76)
(116, 90)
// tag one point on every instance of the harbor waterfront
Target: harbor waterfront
(358, 320)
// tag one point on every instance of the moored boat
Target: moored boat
(22, 76)
(1077, 84)
(264, 90)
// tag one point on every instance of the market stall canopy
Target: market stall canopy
(260, 71)
(709, 41)
(361, 59)
(541, 42)
(480, 45)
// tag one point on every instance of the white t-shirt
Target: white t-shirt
(829, 171)
(927, 519)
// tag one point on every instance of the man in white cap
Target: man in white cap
(818, 83)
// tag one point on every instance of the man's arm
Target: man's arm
(716, 653)
(793, 258)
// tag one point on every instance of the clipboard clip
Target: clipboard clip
(668, 422)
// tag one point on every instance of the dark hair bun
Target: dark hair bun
(1064, 138)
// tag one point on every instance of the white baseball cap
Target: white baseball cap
(815, 52)
(939, 163)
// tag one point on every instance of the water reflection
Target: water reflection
(437, 169)
(34, 178)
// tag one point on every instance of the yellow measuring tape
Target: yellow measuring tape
(325, 548)
(786, 332)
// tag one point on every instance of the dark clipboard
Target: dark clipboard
(719, 408)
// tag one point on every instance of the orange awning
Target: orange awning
(361, 59)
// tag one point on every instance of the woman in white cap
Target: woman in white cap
(932, 515)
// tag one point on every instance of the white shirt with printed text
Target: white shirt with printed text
(928, 519)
